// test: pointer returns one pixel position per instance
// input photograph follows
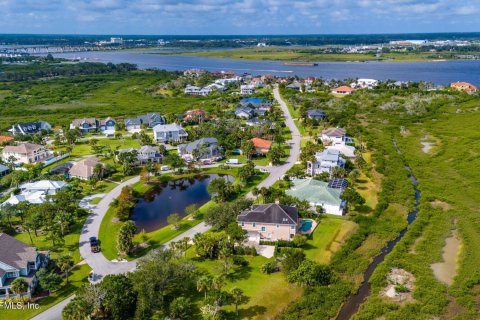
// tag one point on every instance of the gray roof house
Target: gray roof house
(244, 112)
(253, 122)
(93, 124)
(165, 133)
(325, 161)
(205, 148)
(18, 259)
(150, 119)
(3, 170)
(145, 154)
(30, 127)
(316, 114)
(269, 221)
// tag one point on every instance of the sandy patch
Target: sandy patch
(400, 286)
(440, 204)
(446, 271)
(404, 132)
(415, 244)
(427, 146)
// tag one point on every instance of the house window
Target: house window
(243, 224)
(263, 229)
(292, 227)
(254, 224)
(278, 226)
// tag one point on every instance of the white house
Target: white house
(247, 89)
(165, 133)
(365, 84)
(35, 192)
(332, 136)
(325, 161)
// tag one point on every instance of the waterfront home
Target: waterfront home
(346, 150)
(316, 114)
(166, 133)
(194, 115)
(25, 153)
(145, 154)
(18, 259)
(149, 120)
(225, 82)
(343, 90)
(247, 89)
(30, 127)
(364, 84)
(332, 136)
(262, 146)
(318, 193)
(464, 86)
(84, 169)
(325, 161)
(93, 124)
(201, 149)
(35, 192)
(271, 222)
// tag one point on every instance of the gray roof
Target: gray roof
(315, 191)
(3, 168)
(270, 213)
(31, 127)
(151, 118)
(316, 113)
(246, 110)
(256, 120)
(172, 127)
(210, 143)
(15, 253)
(328, 155)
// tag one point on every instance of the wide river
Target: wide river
(438, 72)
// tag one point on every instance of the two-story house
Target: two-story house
(332, 136)
(145, 154)
(30, 127)
(270, 222)
(201, 149)
(93, 124)
(165, 133)
(150, 120)
(25, 153)
(325, 161)
(18, 259)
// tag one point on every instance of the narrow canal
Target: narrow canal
(350, 307)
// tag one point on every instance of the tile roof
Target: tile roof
(5, 138)
(344, 89)
(84, 168)
(270, 213)
(262, 143)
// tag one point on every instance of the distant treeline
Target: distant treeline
(38, 71)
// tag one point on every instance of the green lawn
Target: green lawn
(96, 200)
(328, 237)
(77, 279)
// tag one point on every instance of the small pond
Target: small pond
(157, 204)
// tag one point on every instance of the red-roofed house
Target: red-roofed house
(343, 90)
(464, 86)
(195, 115)
(261, 145)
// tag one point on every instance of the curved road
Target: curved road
(101, 266)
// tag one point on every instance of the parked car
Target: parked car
(164, 168)
(94, 247)
(232, 161)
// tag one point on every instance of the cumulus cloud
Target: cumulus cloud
(234, 16)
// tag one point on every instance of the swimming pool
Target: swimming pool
(306, 225)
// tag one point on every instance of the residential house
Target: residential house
(18, 259)
(26, 153)
(247, 89)
(343, 90)
(194, 115)
(165, 133)
(3, 170)
(257, 83)
(253, 122)
(346, 150)
(225, 82)
(262, 146)
(332, 136)
(93, 124)
(244, 112)
(35, 192)
(271, 222)
(325, 161)
(145, 154)
(5, 139)
(309, 81)
(30, 127)
(256, 103)
(316, 114)
(150, 119)
(84, 169)
(464, 86)
(201, 149)
(318, 193)
(193, 90)
(295, 86)
(365, 84)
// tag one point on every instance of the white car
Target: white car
(164, 168)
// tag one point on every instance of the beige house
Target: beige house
(269, 222)
(84, 169)
(26, 153)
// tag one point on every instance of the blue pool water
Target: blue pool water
(306, 225)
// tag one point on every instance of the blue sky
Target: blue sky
(238, 17)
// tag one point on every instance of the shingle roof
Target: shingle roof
(315, 191)
(84, 168)
(270, 213)
(189, 147)
(23, 148)
(168, 127)
(334, 132)
(316, 113)
(15, 253)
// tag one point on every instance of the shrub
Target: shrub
(240, 261)
(269, 267)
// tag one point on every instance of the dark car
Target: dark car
(94, 247)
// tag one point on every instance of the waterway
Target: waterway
(350, 307)
(438, 72)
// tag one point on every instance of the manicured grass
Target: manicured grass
(327, 238)
(77, 278)
(96, 200)
(268, 294)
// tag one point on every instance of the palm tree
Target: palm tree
(204, 284)
(65, 262)
(238, 297)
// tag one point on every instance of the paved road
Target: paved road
(101, 266)
(277, 172)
